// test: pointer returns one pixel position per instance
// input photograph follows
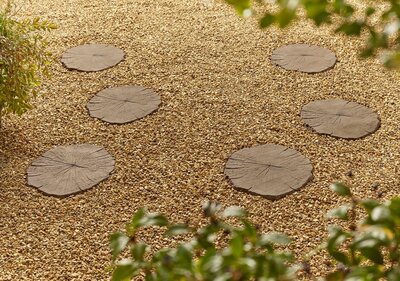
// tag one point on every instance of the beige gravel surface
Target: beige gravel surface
(219, 93)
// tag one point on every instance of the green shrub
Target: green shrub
(23, 60)
(369, 250)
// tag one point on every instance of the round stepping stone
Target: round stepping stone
(269, 170)
(303, 57)
(70, 169)
(92, 57)
(340, 118)
(123, 104)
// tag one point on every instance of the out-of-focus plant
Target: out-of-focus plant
(379, 19)
(248, 255)
(366, 250)
(24, 60)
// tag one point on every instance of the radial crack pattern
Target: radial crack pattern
(269, 170)
(66, 170)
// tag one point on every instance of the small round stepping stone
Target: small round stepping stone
(123, 104)
(304, 58)
(92, 57)
(70, 169)
(340, 118)
(269, 170)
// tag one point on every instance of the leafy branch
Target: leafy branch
(380, 21)
(367, 250)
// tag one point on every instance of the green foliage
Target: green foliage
(382, 27)
(23, 60)
(247, 255)
(221, 250)
(369, 250)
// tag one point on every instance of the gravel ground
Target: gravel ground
(219, 93)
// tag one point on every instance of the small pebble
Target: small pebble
(375, 186)
(306, 267)
(349, 173)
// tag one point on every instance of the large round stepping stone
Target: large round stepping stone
(70, 169)
(340, 118)
(123, 104)
(269, 170)
(303, 57)
(92, 57)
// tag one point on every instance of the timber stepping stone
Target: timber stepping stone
(340, 118)
(92, 57)
(270, 170)
(123, 104)
(304, 58)
(70, 169)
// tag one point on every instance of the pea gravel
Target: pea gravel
(220, 93)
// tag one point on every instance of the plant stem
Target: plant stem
(1, 117)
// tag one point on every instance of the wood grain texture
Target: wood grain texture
(123, 104)
(304, 58)
(269, 170)
(340, 118)
(70, 169)
(92, 57)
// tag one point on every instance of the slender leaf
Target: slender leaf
(118, 242)
(341, 189)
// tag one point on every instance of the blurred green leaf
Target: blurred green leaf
(342, 8)
(335, 276)
(351, 27)
(274, 238)
(380, 232)
(336, 238)
(285, 16)
(210, 208)
(341, 189)
(236, 246)
(366, 273)
(234, 211)
(394, 206)
(124, 271)
(369, 248)
(369, 11)
(369, 204)
(177, 229)
(267, 20)
(240, 5)
(153, 219)
(380, 214)
(340, 212)
(394, 274)
(118, 242)
(136, 218)
(317, 11)
(138, 251)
